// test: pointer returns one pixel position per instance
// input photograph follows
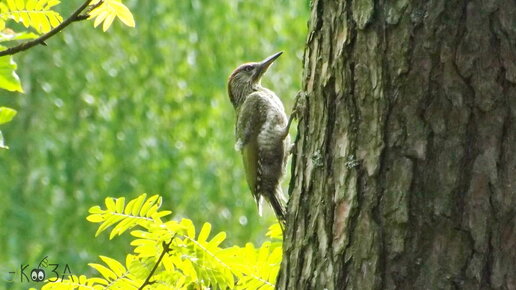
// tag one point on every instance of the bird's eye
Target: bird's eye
(248, 68)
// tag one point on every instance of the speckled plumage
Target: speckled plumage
(261, 133)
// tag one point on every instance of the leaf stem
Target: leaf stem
(166, 248)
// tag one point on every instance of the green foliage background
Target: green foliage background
(137, 110)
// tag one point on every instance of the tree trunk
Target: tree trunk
(404, 170)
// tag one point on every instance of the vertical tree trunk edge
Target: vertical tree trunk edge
(404, 167)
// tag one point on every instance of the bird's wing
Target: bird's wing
(248, 125)
(250, 158)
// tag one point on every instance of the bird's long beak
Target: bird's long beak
(264, 65)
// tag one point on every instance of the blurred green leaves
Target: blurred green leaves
(36, 14)
(41, 18)
(138, 110)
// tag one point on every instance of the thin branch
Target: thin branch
(76, 16)
(87, 14)
(166, 249)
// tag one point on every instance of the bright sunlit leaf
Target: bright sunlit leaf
(9, 80)
(275, 232)
(124, 14)
(6, 114)
(180, 260)
(37, 14)
(108, 11)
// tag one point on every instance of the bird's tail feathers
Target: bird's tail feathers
(277, 204)
(259, 202)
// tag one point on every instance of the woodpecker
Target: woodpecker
(261, 133)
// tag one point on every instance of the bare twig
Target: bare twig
(166, 249)
(76, 16)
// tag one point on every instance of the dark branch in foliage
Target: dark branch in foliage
(76, 16)
(166, 249)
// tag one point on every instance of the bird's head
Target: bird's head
(246, 78)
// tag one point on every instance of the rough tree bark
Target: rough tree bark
(404, 170)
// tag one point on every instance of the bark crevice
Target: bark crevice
(402, 172)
